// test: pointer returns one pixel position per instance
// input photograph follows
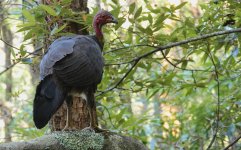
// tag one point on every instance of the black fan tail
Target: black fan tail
(48, 98)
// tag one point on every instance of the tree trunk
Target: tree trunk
(6, 35)
(79, 112)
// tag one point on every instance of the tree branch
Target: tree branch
(171, 45)
(19, 60)
(218, 103)
(175, 65)
(31, 53)
(131, 46)
(232, 143)
(5, 42)
(121, 80)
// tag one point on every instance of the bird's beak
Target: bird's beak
(114, 20)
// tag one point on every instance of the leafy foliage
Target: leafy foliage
(182, 97)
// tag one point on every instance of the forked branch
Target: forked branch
(161, 48)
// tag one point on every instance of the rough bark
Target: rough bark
(6, 115)
(79, 112)
(6, 35)
(82, 140)
(79, 116)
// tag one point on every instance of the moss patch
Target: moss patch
(118, 141)
(80, 140)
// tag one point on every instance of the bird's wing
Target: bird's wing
(84, 66)
(57, 50)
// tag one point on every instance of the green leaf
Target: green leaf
(184, 64)
(160, 19)
(24, 29)
(155, 11)
(138, 13)
(49, 10)
(204, 57)
(115, 2)
(141, 28)
(29, 24)
(120, 22)
(150, 19)
(56, 29)
(29, 35)
(201, 85)
(167, 52)
(148, 31)
(153, 92)
(132, 8)
(28, 16)
(22, 51)
(180, 5)
(166, 9)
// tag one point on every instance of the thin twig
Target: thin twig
(117, 37)
(175, 65)
(10, 45)
(120, 63)
(232, 143)
(19, 60)
(121, 80)
(108, 115)
(218, 103)
(131, 46)
(194, 79)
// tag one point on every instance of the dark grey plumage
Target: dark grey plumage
(83, 67)
(71, 64)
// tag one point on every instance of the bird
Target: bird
(73, 65)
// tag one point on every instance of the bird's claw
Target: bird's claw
(95, 129)
(89, 129)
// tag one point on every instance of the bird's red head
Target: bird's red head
(101, 18)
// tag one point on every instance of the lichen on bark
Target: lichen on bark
(80, 140)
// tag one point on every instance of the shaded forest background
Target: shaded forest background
(169, 96)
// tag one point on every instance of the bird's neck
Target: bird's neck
(98, 32)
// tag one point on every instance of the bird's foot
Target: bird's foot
(95, 129)
(99, 130)
(89, 129)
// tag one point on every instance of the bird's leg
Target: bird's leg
(93, 121)
(90, 99)
(69, 102)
